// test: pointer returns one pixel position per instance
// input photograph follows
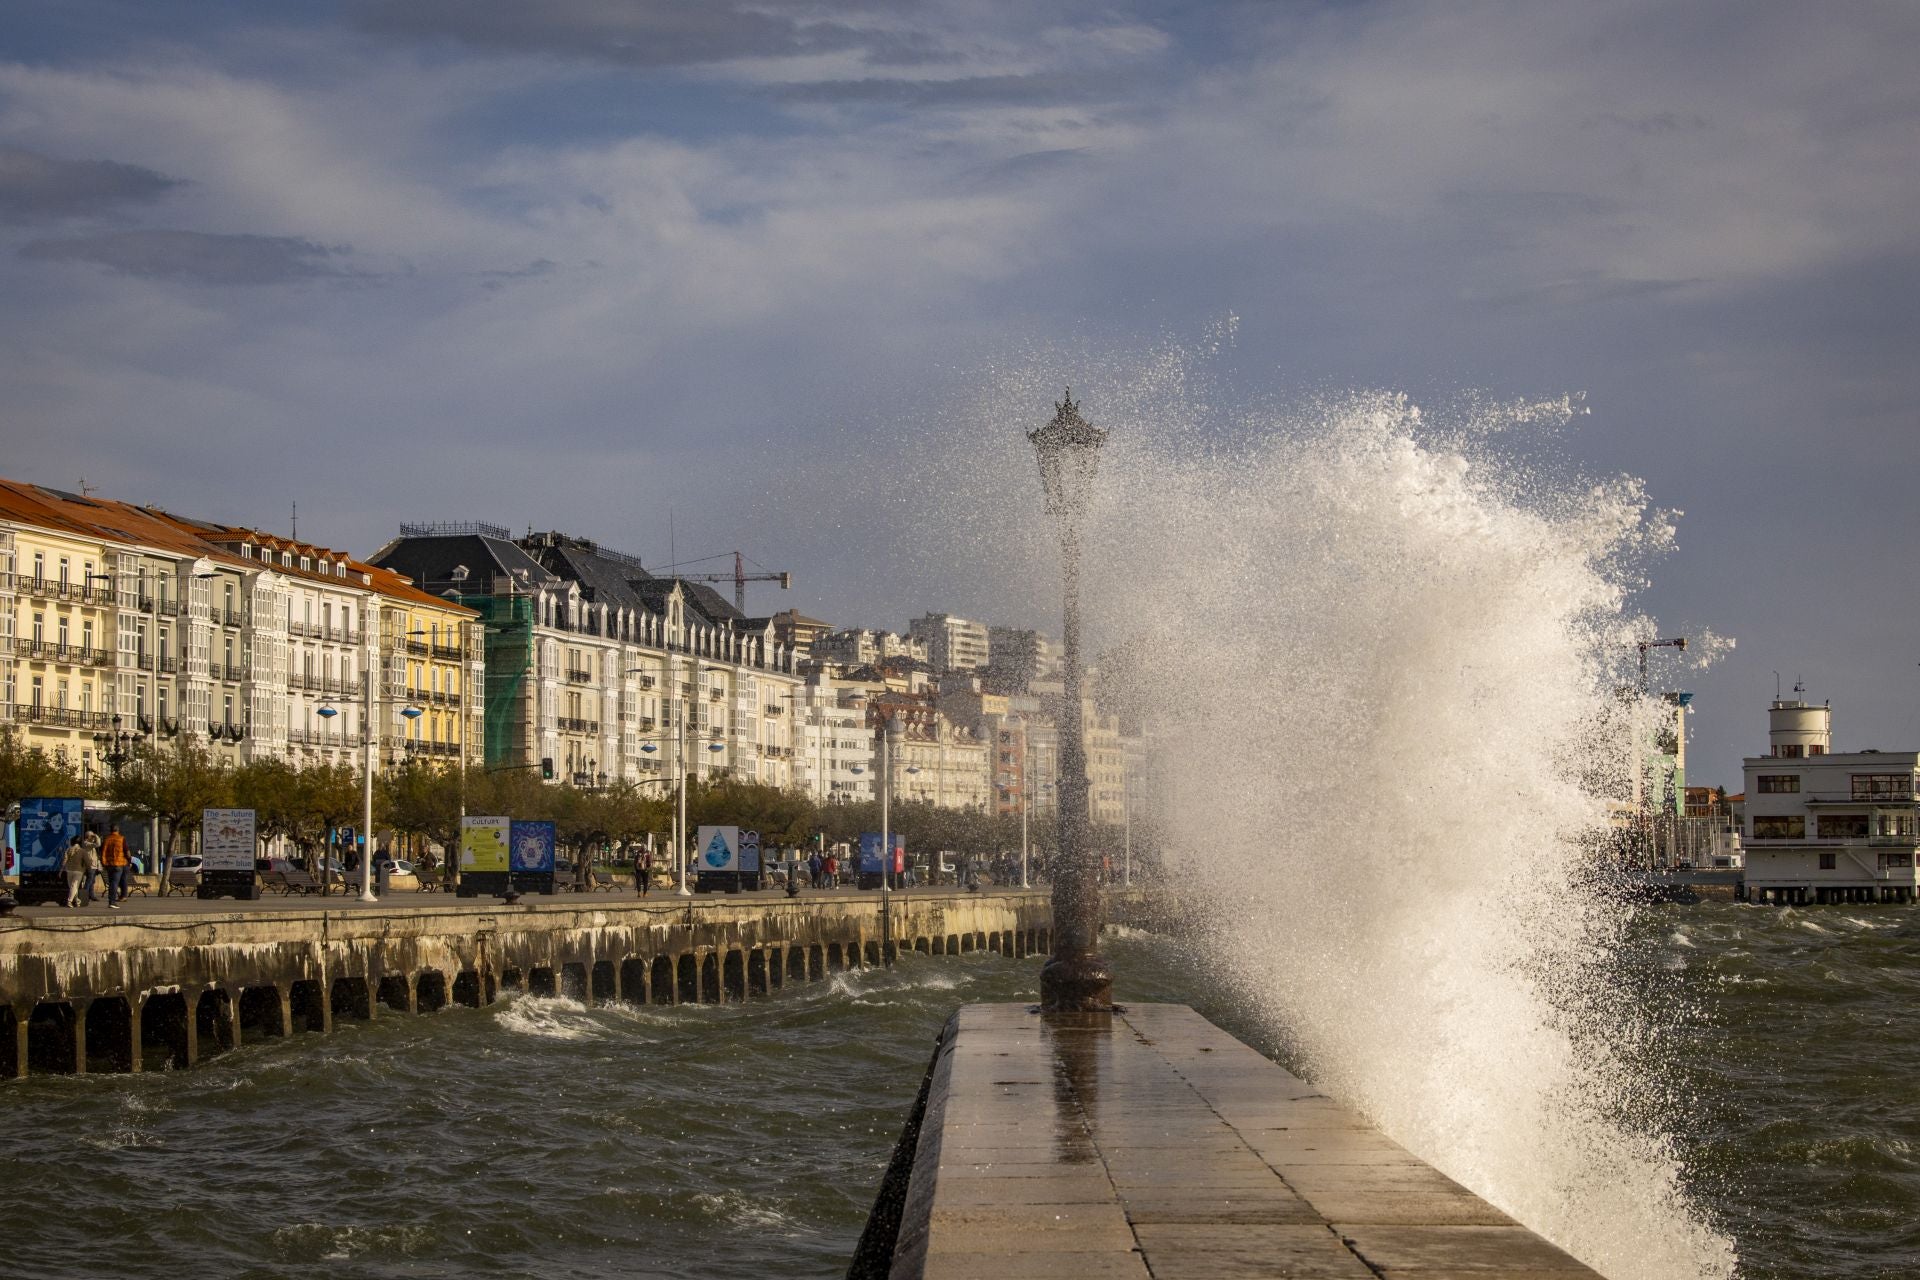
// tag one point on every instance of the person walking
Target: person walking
(813, 869)
(113, 856)
(643, 872)
(90, 844)
(74, 864)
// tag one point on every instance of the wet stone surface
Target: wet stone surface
(1151, 1143)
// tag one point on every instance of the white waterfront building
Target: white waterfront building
(1821, 826)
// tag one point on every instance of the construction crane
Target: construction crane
(739, 577)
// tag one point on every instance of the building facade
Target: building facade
(953, 643)
(1825, 826)
(598, 672)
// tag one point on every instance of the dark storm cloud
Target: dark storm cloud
(651, 33)
(40, 188)
(195, 257)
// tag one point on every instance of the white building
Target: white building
(953, 644)
(1822, 826)
(833, 748)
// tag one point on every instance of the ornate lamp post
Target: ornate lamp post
(1076, 979)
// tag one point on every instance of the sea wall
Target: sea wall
(150, 991)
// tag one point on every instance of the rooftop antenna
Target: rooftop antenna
(85, 491)
(295, 534)
(1799, 685)
(1776, 686)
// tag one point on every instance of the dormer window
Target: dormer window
(286, 559)
(306, 563)
(246, 551)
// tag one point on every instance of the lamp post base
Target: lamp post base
(1076, 984)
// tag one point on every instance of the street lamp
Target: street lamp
(1026, 811)
(1076, 978)
(679, 740)
(328, 711)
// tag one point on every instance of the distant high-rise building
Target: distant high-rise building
(953, 644)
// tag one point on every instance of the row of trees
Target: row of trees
(175, 782)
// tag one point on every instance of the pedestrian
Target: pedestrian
(91, 844)
(813, 869)
(833, 870)
(643, 872)
(74, 864)
(113, 856)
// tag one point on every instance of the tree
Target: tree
(27, 771)
(271, 788)
(174, 784)
(421, 799)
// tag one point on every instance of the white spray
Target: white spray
(1374, 660)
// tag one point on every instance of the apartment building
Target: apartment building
(953, 643)
(599, 672)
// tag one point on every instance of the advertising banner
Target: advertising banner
(718, 849)
(227, 840)
(871, 862)
(532, 847)
(483, 843)
(750, 853)
(47, 826)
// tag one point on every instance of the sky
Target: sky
(685, 276)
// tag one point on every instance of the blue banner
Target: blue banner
(530, 846)
(871, 863)
(47, 827)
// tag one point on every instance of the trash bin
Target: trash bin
(382, 874)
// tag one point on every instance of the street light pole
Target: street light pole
(366, 798)
(1077, 979)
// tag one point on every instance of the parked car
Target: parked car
(185, 862)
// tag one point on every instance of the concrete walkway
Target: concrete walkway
(1152, 1144)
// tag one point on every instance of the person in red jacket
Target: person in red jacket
(113, 857)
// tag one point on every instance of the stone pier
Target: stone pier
(145, 992)
(1149, 1143)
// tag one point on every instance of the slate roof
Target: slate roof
(430, 561)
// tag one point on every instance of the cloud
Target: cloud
(965, 91)
(39, 188)
(651, 33)
(195, 257)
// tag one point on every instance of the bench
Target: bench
(291, 880)
(605, 880)
(180, 880)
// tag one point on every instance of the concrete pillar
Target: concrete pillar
(80, 1008)
(22, 1015)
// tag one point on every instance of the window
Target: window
(1892, 861)
(1842, 826)
(246, 551)
(1829, 861)
(1779, 827)
(63, 633)
(39, 564)
(63, 571)
(86, 634)
(1778, 783)
(1896, 824)
(39, 691)
(160, 700)
(306, 563)
(39, 627)
(1793, 752)
(286, 559)
(227, 711)
(1877, 786)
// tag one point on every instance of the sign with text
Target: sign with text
(227, 840)
(483, 843)
(532, 846)
(47, 826)
(718, 849)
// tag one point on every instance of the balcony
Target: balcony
(59, 717)
(774, 709)
(167, 666)
(448, 652)
(48, 651)
(419, 648)
(235, 672)
(232, 617)
(578, 676)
